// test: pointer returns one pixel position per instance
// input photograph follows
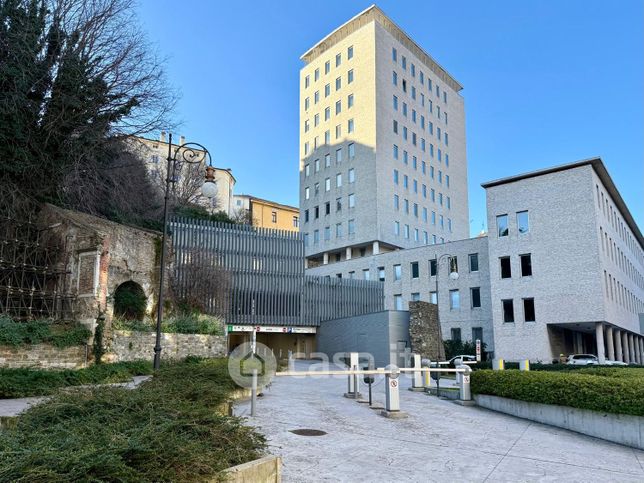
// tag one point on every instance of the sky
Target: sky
(546, 82)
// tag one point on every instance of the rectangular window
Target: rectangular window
(474, 262)
(338, 156)
(352, 227)
(475, 297)
(316, 74)
(352, 151)
(455, 334)
(452, 265)
(397, 272)
(394, 78)
(454, 299)
(327, 162)
(338, 83)
(338, 107)
(327, 113)
(316, 237)
(350, 125)
(526, 265)
(338, 132)
(327, 136)
(338, 230)
(327, 233)
(307, 193)
(508, 310)
(327, 67)
(396, 228)
(381, 274)
(327, 90)
(395, 103)
(327, 184)
(396, 202)
(398, 302)
(350, 76)
(415, 297)
(338, 180)
(433, 298)
(349, 101)
(528, 310)
(338, 204)
(414, 270)
(502, 225)
(274, 216)
(523, 223)
(432, 268)
(352, 176)
(477, 334)
(350, 53)
(307, 81)
(338, 60)
(352, 200)
(395, 176)
(506, 269)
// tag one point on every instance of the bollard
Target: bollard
(417, 377)
(291, 362)
(464, 391)
(392, 396)
(498, 364)
(353, 388)
(524, 365)
(458, 362)
(427, 363)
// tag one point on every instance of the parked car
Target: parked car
(614, 363)
(464, 358)
(582, 360)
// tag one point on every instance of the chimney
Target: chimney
(182, 140)
(162, 137)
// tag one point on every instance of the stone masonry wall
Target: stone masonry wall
(43, 356)
(425, 331)
(128, 346)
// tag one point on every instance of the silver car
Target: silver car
(582, 360)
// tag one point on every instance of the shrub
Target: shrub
(130, 301)
(59, 334)
(40, 382)
(617, 390)
(168, 429)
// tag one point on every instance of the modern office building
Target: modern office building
(382, 144)
(263, 213)
(566, 265)
(428, 273)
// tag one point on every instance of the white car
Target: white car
(463, 358)
(614, 363)
(582, 360)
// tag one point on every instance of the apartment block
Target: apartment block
(566, 265)
(265, 213)
(382, 144)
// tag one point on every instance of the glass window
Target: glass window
(414, 270)
(475, 297)
(523, 223)
(338, 230)
(350, 76)
(454, 299)
(366, 274)
(352, 151)
(352, 200)
(352, 176)
(307, 193)
(327, 233)
(528, 310)
(338, 83)
(526, 265)
(350, 52)
(396, 227)
(394, 78)
(307, 170)
(338, 107)
(474, 262)
(349, 101)
(433, 298)
(327, 90)
(506, 269)
(352, 226)
(327, 162)
(502, 225)
(508, 310)
(338, 204)
(327, 184)
(316, 74)
(327, 67)
(453, 265)
(455, 334)
(397, 272)
(415, 297)
(432, 268)
(327, 113)
(381, 274)
(398, 302)
(394, 55)
(395, 103)
(338, 180)
(350, 125)
(338, 155)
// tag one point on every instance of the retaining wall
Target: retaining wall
(44, 356)
(128, 345)
(618, 428)
(263, 470)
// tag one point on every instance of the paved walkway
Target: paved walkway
(440, 441)
(13, 407)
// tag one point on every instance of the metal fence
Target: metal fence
(263, 274)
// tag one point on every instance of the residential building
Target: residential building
(566, 265)
(266, 214)
(382, 144)
(154, 153)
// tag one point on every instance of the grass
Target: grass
(16, 383)
(168, 429)
(618, 390)
(59, 334)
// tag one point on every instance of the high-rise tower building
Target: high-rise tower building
(382, 144)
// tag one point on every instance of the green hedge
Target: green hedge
(168, 429)
(59, 334)
(39, 382)
(617, 390)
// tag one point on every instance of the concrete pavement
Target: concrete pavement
(439, 441)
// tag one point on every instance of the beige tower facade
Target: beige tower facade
(382, 144)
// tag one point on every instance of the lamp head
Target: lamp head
(209, 187)
(453, 275)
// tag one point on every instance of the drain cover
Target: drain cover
(308, 432)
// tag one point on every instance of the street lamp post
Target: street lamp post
(190, 153)
(452, 275)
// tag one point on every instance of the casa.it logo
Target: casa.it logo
(243, 362)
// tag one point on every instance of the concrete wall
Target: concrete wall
(618, 428)
(129, 346)
(372, 333)
(264, 470)
(44, 356)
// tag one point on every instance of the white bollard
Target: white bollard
(458, 362)
(392, 395)
(417, 377)
(353, 384)
(524, 365)
(465, 393)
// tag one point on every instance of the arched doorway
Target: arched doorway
(130, 301)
